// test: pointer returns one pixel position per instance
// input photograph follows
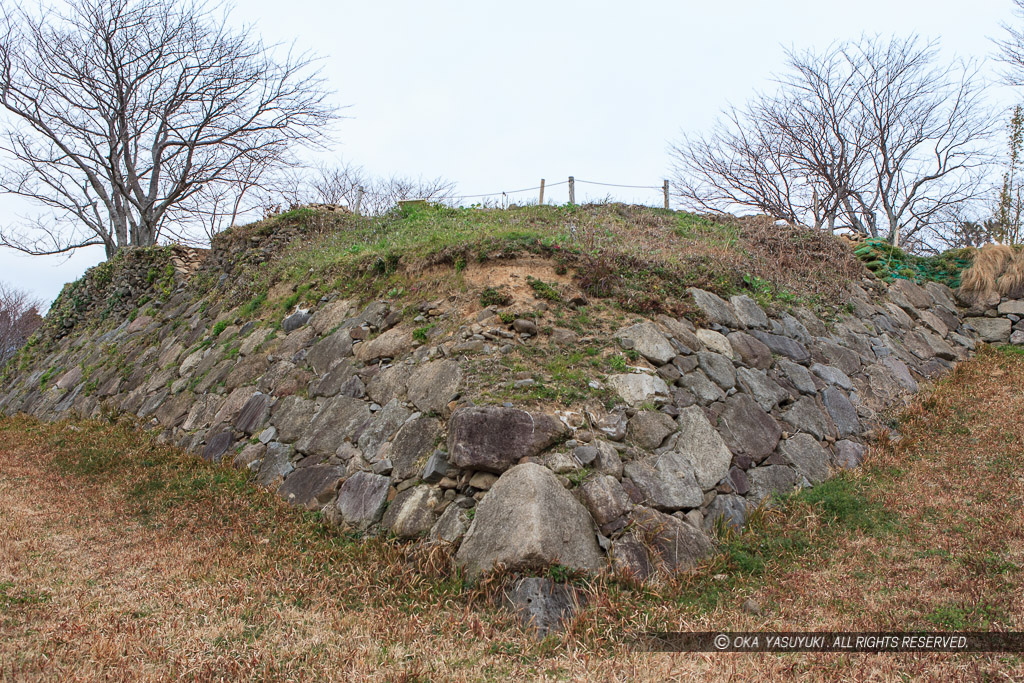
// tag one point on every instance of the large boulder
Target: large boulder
(337, 421)
(529, 521)
(666, 482)
(493, 438)
(434, 384)
(413, 443)
(647, 340)
(715, 309)
(769, 480)
(362, 498)
(992, 330)
(329, 350)
(784, 346)
(702, 447)
(805, 416)
(311, 487)
(413, 512)
(748, 312)
(751, 350)
(391, 344)
(673, 545)
(748, 430)
(804, 453)
(648, 428)
(637, 389)
(842, 411)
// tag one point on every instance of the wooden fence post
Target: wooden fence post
(359, 198)
(666, 194)
(541, 200)
(572, 190)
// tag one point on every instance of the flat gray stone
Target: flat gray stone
(798, 375)
(386, 423)
(718, 368)
(254, 413)
(329, 350)
(636, 389)
(275, 466)
(675, 546)
(728, 507)
(413, 512)
(783, 346)
(807, 456)
(362, 498)
(991, 330)
(751, 350)
(748, 312)
(451, 526)
(842, 411)
(666, 482)
(336, 422)
(849, 454)
(412, 445)
(702, 388)
(295, 321)
(831, 375)
(436, 468)
(715, 309)
(805, 416)
(746, 429)
(768, 480)
(529, 521)
(433, 385)
(703, 447)
(605, 499)
(311, 487)
(292, 416)
(647, 340)
(218, 445)
(390, 383)
(1012, 307)
(765, 392)
(493, 438)
(542, 606)
(648, 428)
(900, 372)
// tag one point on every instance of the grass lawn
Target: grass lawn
(124, 559)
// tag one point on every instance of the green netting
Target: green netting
(891, 263)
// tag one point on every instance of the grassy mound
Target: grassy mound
(643, 258)
(892, 263)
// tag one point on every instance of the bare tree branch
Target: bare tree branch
(123, 110)
(19, 318)
(870, 133)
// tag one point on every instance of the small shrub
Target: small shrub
(542, 289)
(219, 327)
(492, 296)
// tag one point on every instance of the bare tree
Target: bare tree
(19, 318)
(872, 134)
(122, 111)
(341, 184)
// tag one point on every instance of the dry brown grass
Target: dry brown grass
(124, 560)
(1011, 282)
(982, 279)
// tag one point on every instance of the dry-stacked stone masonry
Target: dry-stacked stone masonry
(342, 410)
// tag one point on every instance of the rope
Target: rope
(506, 192)
(635, 187)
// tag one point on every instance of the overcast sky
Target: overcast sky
(495, 96)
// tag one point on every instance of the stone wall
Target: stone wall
(342, 409)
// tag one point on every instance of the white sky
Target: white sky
(495, 96)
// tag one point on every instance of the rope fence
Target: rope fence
(571, 182)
